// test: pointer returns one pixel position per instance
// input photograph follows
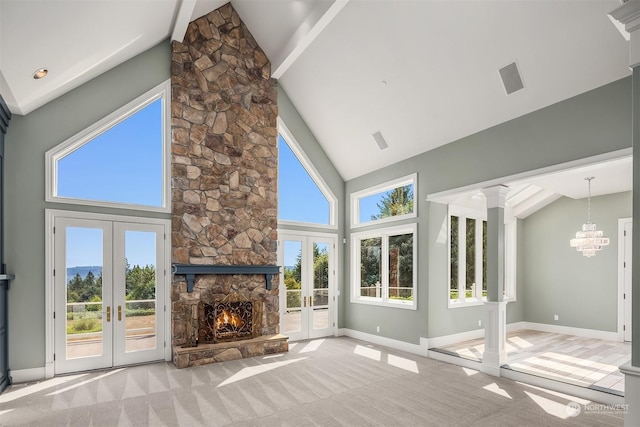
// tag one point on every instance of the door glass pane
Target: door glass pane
(401, 267)
(293, 285)
(320, 295)
(140, 300)
(370, 275)
(84, 257)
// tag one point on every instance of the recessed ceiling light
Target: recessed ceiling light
(40, 73)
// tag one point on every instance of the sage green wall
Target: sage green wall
(27, 140)
(582, 291)
(593, 123)
(314, 152)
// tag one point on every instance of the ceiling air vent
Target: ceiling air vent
(380, 140)
(511, 79)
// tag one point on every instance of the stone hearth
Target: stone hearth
(224, 181)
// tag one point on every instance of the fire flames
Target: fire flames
(229, 318)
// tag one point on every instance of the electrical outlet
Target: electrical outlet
(555, 317)
(377, 328)
(479, 322)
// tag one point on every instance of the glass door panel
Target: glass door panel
(140, 290)
(320, 292)
(84, 292)
(292, 269)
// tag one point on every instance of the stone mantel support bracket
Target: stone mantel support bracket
(6, 278)
(190, 271)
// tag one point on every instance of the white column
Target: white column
(495, 327)
(629, 16)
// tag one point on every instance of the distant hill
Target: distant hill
(84, 270)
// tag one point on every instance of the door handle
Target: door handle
(310, 301)
(305, 301)
(108, 313)
(119, 313)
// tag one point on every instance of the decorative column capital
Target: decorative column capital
(496, 196)
(629, 15)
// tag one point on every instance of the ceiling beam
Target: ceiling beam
(303, 37)
(185, 11)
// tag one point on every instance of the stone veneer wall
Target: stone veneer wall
(224, 165)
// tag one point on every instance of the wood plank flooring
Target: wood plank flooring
(584, 362)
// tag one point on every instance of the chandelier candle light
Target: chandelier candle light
(589, 240)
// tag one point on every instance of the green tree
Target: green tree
(74, 288)
(398, 201)
(320, 267)
(140, 282)
(370, 259)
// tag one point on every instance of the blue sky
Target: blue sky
(299, 198)
(123, 164)
(84, 247)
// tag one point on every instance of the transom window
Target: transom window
(385, 270)
(302, 195)
(121, 161)
(390, 201)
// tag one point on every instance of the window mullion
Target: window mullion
(462, 258)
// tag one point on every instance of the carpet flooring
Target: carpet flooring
(323, 382)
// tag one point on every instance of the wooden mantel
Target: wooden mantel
(190, 271)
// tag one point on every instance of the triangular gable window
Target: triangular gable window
(120, 161)
(300, 198)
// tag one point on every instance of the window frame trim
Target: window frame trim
(315, 176)
(355, 197)
(85, 136)
(384, 234)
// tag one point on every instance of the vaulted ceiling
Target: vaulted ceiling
(422, 73)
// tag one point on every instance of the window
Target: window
(384, 270)
(468, 257)
(121, 161)
(302, 195)
(386, 202)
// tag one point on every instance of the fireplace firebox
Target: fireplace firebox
(233, 318)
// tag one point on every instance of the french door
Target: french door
(307, 293)
(109, 291)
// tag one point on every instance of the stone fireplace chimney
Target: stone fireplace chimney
(224, 177)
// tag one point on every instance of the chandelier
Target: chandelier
(589, 240)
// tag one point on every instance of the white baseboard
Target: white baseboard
(446, 340)
(568, 330)
(421, 349)
(27, 375)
